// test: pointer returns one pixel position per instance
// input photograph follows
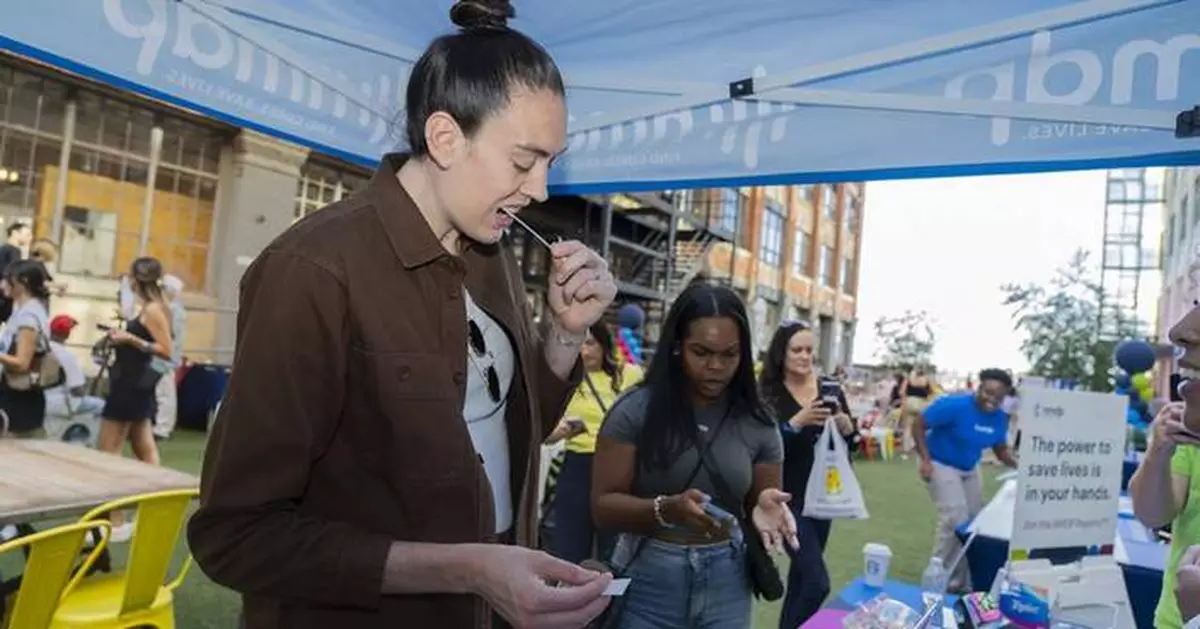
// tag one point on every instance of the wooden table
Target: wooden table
(42, 479)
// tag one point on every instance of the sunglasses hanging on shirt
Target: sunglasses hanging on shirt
(480, 350)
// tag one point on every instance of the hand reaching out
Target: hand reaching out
(774, 520)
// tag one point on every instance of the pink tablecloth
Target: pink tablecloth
(826, 619)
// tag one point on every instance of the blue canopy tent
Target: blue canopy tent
(688, 93)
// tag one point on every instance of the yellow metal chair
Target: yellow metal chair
(47, 577)
(135, 597)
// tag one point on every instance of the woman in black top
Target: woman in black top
(129, 407)
(791, 387)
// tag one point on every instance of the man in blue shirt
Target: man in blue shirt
(951, 435)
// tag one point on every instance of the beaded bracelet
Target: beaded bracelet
(658, 512)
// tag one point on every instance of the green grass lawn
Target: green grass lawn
(901, 517)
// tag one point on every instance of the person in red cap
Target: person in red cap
(69, 398)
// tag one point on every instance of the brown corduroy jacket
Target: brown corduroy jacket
(341, 430)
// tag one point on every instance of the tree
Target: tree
(907, 340)
(1060, 322)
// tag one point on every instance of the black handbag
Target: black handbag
(611, 617)
(760, 567)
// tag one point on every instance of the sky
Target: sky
(946, 246)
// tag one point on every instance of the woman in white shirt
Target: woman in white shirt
(26, 335)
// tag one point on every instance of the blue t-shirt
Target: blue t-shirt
(957, 431)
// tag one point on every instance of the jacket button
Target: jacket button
(405, 372)
(460, 377)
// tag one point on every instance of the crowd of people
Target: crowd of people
(373, 461)
(43, 379)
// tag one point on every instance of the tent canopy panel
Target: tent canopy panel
(852, 89)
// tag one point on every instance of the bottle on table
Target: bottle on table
(933, 590)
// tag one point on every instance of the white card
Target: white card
(617, 587)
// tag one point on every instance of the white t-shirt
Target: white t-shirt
(72, 371)
(485, 416)
(32, 314)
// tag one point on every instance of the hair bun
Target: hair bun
(482, 15)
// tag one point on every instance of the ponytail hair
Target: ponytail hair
(147, 276)
(32, 276)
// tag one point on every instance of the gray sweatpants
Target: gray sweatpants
(958, 496)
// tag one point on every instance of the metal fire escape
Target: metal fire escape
(656, 244)
(1133, 205)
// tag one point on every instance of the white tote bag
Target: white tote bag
(832, 492)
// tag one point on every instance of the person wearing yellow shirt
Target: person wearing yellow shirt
(575, 536)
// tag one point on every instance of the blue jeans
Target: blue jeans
(684, 587)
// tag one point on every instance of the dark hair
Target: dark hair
(999, 375)
(770, 381)
(32, 275)
(471, 74)
(16, 227)
(670, 425)
(609, 365)
(147, 274)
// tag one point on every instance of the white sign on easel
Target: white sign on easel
(1069, 483)
(1072, 455)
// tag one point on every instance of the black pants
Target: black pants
(808, 580)
(575, 536)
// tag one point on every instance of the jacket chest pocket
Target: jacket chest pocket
(409, 415)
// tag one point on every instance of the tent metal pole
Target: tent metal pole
(1088, 11)
(1043, 112)
(606, 228)
(910, 51)
(226, 20)
(323, 28)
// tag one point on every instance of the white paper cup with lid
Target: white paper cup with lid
(876, 560)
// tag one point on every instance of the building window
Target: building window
(731, 207)
(847, 279)
(322, 184)
(684, 201)
(31, 125)
(851, 213)
(801, 247)
(107, 184)
(770, 247)
(804, 193)
(829, 201)
(184, 200)
(825, 272)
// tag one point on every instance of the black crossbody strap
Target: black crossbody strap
(691, 477)
(723, 489)
(595, 393)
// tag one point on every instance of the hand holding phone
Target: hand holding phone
(576, 426)
(830, 392)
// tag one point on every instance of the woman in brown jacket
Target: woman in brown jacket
(374, 462)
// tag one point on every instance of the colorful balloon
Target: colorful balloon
(1134, 356)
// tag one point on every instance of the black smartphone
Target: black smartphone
(830, 392)
(104, 327)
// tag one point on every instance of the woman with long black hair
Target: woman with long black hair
(791, 387)
(26, 335)
(575, 537)
(692, 436)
